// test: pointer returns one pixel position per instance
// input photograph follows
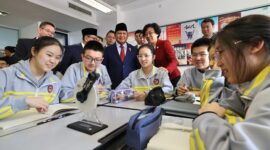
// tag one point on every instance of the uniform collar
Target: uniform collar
(85, 72)
(260, 82)
(141, 75)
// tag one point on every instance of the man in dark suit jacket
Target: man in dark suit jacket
(23, 48)
(119, 69)
(73, 53)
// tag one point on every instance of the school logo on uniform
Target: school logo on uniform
(50, 88)
(156, 81)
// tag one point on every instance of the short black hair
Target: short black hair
(138, 31)
(111, 31)
(10, 49)
(44, 23)
(201, 42)
(155, 26)
(93, 45)
(208, 20)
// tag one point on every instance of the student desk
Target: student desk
(56, 136)
(130, 104)
(173, 134)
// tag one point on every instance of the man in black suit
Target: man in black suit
(23, 47)
(73, 52)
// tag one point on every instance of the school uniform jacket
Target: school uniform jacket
(75, 73)
(252, 103)
(17, 83)
(139, 82)
(192, 78)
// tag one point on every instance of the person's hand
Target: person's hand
(139, 96)
(100, 88)
(120, 97)
(213, 107)
(164, 69)
(182, 89)
(39, 103)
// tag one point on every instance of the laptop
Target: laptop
(181, 109)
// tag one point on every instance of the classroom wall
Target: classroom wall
(8, 37)
(106, 22)
(29, 31)
(173, 11)
(74, 37)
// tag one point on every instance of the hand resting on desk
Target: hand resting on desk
(37, 102)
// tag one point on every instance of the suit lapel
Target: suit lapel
(128, 52)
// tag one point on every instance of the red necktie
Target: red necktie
(122, 53)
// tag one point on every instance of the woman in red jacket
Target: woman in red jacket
(165, 55)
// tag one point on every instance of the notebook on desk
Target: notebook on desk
(181, 109)
(31, 115)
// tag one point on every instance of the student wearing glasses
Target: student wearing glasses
(192, 78)
(73, 52)
(148, 76)
(31, 83)
(92, 57)
(243, 49)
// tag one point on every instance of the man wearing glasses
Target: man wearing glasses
(92, 56)
(23, 48)
(192, 78)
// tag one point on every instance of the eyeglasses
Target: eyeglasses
(218, 54)
(91, 59)
(199, 55)
(219, 51)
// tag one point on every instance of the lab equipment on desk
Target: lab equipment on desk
(87, 100)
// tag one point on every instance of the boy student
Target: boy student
(192, 78)
(92, 56)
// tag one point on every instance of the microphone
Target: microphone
(87, 86)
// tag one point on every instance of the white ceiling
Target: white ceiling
(23, 13)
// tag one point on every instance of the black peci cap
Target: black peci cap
(121, 26)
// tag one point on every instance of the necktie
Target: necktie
(122, 53)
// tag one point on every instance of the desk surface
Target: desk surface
(55, 135)
(173, 134)
(130, 104)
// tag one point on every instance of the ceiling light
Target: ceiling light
(100, 5)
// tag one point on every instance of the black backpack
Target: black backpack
(155, 97)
